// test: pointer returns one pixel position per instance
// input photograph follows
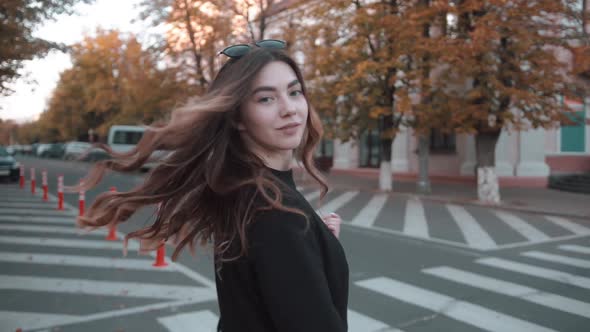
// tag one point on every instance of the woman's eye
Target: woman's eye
(265, 100)
(295, 93)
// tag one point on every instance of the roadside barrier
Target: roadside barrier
(44, 183)
(161, 257)
(22, 177)
(112, 236)
(81, 200)
(60, 192)
(33, 184)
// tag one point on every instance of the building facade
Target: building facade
(522, 157)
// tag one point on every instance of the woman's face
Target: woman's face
(274, 114)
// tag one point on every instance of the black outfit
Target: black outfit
(291, 280)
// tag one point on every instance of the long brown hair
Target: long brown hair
(206, 184)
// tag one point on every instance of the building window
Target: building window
(441, 142)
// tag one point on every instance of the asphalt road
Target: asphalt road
(415, 266)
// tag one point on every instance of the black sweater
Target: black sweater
(291, 280)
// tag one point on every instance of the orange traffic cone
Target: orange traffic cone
(112, 233)
(161, 257)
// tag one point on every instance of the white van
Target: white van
(124, 138)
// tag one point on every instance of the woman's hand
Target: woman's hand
(333, 222)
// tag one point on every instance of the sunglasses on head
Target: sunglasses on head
(239, 50)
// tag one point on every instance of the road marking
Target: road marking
(358, 322)
(521, 226)
(12, 320)
(48, 212)
(569, 225)
(120, 313)
(66, 243)
(25, 205)
(472, 231)
(75, 260)
(106, 288)
(57, 220)
(558, 259)
(52, 229)
(313, 195)
(525, 293)
(575, 248)
(337, 202)
(368, 215)
(535, 271)
(201, 321)
(465, 312)
(415, 220)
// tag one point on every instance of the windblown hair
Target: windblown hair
(206, 185)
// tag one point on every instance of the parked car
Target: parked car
(74, 150)
(54, 150)
(9, 167)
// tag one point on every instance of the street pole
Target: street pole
(423, 184)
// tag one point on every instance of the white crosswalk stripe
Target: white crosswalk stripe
(123, 263)
(472, 231)
(415, 223)
(52, 229)
(560, 259)
(536, 271)
(57, 220)
(337, 203)
(575, 248)
(472, 314)
(368, 214)
(200, 321)
(29, 212)
(521, 226)
(26, 205)
(313, 195)
(66, 243)
(206, 321)
(525, 293)
(570, 226)
(107, 288)
(13, 320)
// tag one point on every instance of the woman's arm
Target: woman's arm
(291, 274)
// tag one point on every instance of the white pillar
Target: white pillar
(468, 165)
(399, 155)
(345, 155)
(503, 165)
(531, 154)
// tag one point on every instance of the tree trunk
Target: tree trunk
(488, 190)
(423, 184)
(385, 172)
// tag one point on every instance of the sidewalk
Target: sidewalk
(526, 199)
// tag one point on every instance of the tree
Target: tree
(113, 81)
(18, 19)
(195, 30)
(372, 60)
(504, 54)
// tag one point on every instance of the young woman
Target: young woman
(228, 180)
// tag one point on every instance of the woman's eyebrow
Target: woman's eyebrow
(270, 88)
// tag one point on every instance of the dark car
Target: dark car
(9, 167)
(55, 150)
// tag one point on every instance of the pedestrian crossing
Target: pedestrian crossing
(545, 289)
(68, 262)
(467, 226)
(539, 307)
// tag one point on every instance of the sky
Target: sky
(30, 100)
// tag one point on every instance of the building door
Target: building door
(370, 149)
(573, 137)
